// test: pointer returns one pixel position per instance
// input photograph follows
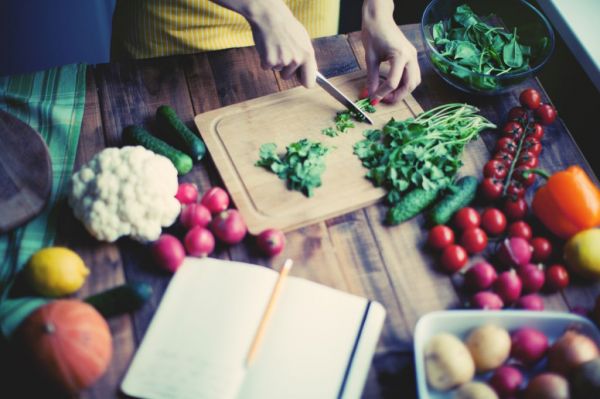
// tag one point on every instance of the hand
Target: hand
(384, 41)
(284, 44)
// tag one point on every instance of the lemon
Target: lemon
(55, 271)
(582, 252)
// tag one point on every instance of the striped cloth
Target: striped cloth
(52, 103)
(152, 28)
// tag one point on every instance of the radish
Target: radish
(528, 345)
(229, 227)
(530, 302)
(215, 199)
(486, 300)
(187, 193)
(195, 215)
(506, 381)
(168, 252)
(532, 277)
(514, 251)
(480, 276)
(508, 286)
(199, 242)
(271, 241)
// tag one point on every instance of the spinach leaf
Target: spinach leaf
(512, 54)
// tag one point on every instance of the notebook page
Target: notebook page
(308, 344)
(198, 340)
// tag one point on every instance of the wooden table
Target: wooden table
(354, 252)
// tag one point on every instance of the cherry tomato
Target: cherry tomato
(520, 229)
(453, 258)
(495, 168)
(465, 218)
(524, 176)
(515, 208)
(530, 98)
(542, 249)
(506, 144)
(513, 130)
(518, 114)
(527, 158)
(536, 131)
(515, 189)
(491, 189)
(532, 145)
(546, 114)
(557, 277)
(505, 157)
(493, 221)
(474, 240)
(440, 237)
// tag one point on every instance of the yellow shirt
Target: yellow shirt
(153, 28)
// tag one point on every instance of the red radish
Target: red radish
(506, 381)
(532, 277)
(195, 215)
(199, 241)
(530, 302)
(547, 386)
(480, 276)
(271, 241)
(542, 249)
(571, 350)
(514, 251)
(215, 199)
(168, 252)
(229, 227)
(557, 277)
(508, 286)
(528, 345)
(187, 193)
(486, 300)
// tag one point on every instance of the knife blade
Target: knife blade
(341, 97)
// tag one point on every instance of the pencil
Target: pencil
(260, 331)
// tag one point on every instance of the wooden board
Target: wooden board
(235, 133)
(25, 172)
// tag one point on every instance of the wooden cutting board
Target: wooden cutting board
(25, 172)
(234, 134)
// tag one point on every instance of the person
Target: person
(280, 29)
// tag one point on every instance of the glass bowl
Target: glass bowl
(461, 68)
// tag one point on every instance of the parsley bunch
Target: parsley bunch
(301, 166)
(343, 119)
(422, 152)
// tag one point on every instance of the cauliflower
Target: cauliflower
(127, 191)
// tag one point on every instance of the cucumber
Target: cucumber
(410, 205)
(138, 135)
(461, 195)
(178, 134)
(122, 299)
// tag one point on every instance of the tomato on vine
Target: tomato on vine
(530, 98)
(546, 114)
(495, 168)
(512, 129)
(491, 188)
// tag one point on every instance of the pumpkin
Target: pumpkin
(69, 341)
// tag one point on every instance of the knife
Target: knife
(338, 95)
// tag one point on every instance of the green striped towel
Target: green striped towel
(52, 103)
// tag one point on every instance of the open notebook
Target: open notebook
(319, 342)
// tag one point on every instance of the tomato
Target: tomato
(505, 157)
(493, 221)
(530, 98)
(520, 229)
(532, 145)
(518, 114)
(440, 237)
(557, 277)
(527, 158)
(536, 131)
(465, 218)
(474, 240)
(491, 189)
(506, 144)
(513, 130)
(524, 176)
(453, 258)
(542, 249)
(546, 114)
(515, 189)
(495, 168)
(515, 208)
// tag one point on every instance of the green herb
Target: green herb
(301, 166)
(329, 131)
(419, 153)
(343, 119)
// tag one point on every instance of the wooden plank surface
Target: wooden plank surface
(352, 252)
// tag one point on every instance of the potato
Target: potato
(490, 346)
(448, 362)
(475, 390)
